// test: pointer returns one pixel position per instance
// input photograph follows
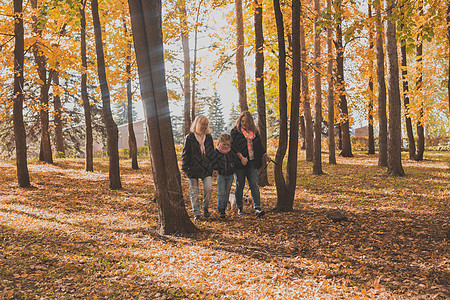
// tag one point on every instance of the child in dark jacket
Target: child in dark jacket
(226, 162)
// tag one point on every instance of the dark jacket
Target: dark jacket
(193, 162)
(226, 163)
(239, 145)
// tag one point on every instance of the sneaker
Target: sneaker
(259, 213)
(206, 213)
(240, 211)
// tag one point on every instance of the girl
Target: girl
(196, 163)
(226, 161)
(246, 142)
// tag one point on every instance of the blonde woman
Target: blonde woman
(197, 163)
(246, 142)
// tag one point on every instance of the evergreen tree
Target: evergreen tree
(234, 115)
(120, 113)
(215, 115)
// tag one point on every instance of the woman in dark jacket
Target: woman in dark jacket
(197, 163)
(246, 142)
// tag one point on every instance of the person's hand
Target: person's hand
(215, 173)
(267, 157)
(244, 160)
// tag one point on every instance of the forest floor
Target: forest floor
(69, 236)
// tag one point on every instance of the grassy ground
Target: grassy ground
(71, 237)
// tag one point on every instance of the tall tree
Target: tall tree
(382, 118)
(286, 189)
(419, 60)
(148, 44)
(406, 104)
(395, 125)
(330, 99)
(448, 38)
(345, 122)
(44, 84)
(309, 131)
(20, 137)
(215, 115)
(282, 99)
(132, 144)
(371, 146)
(317, 161)
(59, 138)
(240, 66)
(89, 140)
(259, 75)
(186, 64)
(112, 133)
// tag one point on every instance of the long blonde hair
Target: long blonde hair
(197, 124)
(250, 122)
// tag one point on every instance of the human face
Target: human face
(225, 145)
(203, 127)
(244, 123)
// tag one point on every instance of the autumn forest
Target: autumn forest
(351, 101)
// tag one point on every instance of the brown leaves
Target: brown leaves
(72, 237)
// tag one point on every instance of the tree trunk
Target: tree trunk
(89, 148)
(317, 161)
(395, 125)
(371, 146)
(44, 87)
(132, 144)
(194, 67)
(448, 37)
(20, 137)
(240, 66)
(59, 137)
(420, 123)
(302, 132)
(382, 118)
(330, 98)
(187, 66)
(282, 192)
(309, 131)
(344, 117)
(295, 106)
(259, 75)
(408, 123)
(339, 136)
(148, 44)
(112, 133)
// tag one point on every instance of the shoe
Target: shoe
(196, 218)
(240, 211)
(206, 213)
(259, 213)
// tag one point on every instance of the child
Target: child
(196, 163)
(226, 161)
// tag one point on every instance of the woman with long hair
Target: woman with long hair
(246, 142)
(197, 163)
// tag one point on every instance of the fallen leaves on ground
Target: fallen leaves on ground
(69, 236)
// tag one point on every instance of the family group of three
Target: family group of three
(238, 155)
